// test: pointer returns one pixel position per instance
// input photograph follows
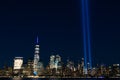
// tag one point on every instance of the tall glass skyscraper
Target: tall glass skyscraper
(36, 58)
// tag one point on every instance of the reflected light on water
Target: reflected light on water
(36, 79)
(16, 78)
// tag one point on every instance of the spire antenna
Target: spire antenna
(37, 40)
(36, 57)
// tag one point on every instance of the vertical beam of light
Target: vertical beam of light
(88, 32)
(84, 33)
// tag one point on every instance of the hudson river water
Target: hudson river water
(50, 79)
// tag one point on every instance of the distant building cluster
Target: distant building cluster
(57, 68)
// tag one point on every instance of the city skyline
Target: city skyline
(58, 25)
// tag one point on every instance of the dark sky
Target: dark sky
(58, 25)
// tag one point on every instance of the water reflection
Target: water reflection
(49, 79)
(36, 79)
(16, 78)
(54, 79)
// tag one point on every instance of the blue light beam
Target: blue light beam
(88, 32)
(84, 33)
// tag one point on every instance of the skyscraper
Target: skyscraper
(52, 61)
(18, 61)
(36, 58)
(55, 61)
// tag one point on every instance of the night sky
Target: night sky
(58, 25)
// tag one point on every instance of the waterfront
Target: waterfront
(50, 79)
